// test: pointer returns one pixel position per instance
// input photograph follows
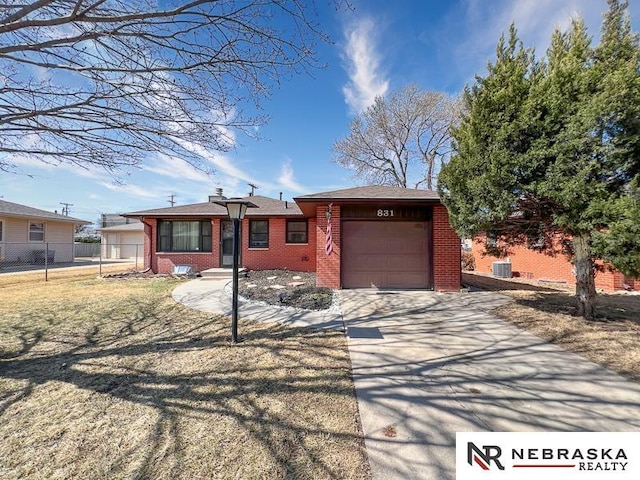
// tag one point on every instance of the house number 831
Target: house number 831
(385, 213)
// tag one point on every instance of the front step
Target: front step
(220, 272)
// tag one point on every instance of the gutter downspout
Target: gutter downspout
(146, 225)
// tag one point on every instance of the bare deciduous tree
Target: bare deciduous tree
(104, 82)
(400, 140)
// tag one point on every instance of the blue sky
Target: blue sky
(378, 47)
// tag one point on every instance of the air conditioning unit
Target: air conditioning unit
(501, 269)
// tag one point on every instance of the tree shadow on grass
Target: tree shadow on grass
(274, 393)
(609, 306)
(484, 282)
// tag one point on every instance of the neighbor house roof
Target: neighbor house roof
(265, 207)
(126, 227)
(16, 210)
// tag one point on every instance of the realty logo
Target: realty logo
(566, 455)
(484, 456)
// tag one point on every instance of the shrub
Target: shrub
(468, 262)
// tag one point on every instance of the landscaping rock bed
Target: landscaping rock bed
(133, 275)
(285, 288)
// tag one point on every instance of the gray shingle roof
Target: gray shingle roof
(266, 207)
(17, 210)
(127, 227)
(373, 192)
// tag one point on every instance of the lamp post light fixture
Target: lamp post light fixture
(236, 208)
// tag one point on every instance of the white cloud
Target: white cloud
(176, 168)
(26, 161)
(227, 174)
(535, 21)
(287, 180)
(130, 189)
(366, 81)
(218, 160)
(32, 162)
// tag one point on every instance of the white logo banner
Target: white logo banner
(548, 455)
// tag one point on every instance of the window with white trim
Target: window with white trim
(36, 231)
(1, 230)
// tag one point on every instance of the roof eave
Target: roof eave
(75, 221)
(308, 204)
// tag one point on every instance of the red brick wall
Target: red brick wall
(280, 255)
(447, 275)
(328, 267)
(164, 262)
(526, 263)
(533, 265)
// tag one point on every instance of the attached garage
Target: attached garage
(385, 254)
(383, 237)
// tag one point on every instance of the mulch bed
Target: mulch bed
(285, 288)
(133, 275)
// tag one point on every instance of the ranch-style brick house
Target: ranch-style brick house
(374, 236)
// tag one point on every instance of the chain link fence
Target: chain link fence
(44, 260)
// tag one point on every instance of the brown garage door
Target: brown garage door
(385, 254)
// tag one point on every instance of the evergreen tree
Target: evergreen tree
(547, 153)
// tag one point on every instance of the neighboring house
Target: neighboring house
(124, 240)
(385, 237)
(533, 265)
(115, 219)
(26, 233)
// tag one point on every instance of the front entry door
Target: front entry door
(226, 244)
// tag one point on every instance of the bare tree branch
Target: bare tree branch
(400, 140)
(105, 82)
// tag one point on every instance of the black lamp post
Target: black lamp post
(236, 208)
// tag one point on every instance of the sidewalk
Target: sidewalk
(214, 296)
(427, 365)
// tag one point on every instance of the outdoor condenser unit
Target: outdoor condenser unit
(501, 269)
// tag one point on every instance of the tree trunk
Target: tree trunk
(585, 278)
(430, 167)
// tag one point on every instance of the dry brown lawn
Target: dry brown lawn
(613, 340)
(112, 379)
(66, 273)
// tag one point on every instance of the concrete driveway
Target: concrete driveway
(428, 365)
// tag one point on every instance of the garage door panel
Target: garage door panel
(405, 280)
(365, 263)
(385, 254)
(413, 244)
(401, 263)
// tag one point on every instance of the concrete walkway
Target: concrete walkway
(428, 365)
(214, 295)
